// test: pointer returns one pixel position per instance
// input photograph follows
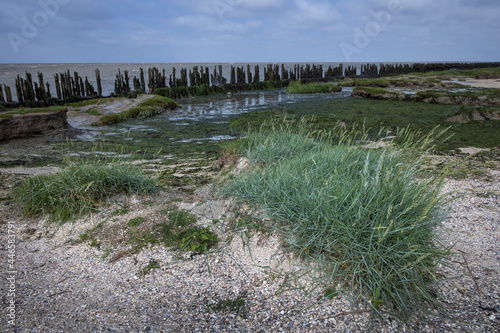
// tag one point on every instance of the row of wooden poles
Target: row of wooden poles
(68, 88)
(72, 88)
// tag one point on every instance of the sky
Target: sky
(200, 31)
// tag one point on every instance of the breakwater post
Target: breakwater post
(199, 81)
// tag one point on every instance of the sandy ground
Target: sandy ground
(489, 83)
(75, 288)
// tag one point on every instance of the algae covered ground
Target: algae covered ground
(199, 127)
(377, 114)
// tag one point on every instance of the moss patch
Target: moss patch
(24, 111)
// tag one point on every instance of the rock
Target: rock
(11, 162)
(26, 125)
(459, 119)
(495, 115)
(485, 76)
(377, 94)
(477, 116)
(444, 100)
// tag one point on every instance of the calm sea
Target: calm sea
(9, 72)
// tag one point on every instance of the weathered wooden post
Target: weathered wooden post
(29, 87)
(137, 83)
(70, 85)
(22, 93)
(42, 86)
(76, 85)
(98, 79)
(126, 84)
(8, 94)
(82, 88)
(119, 83)
(38, 94)
(49, 95)
(143, 82)
(240, 75)
(2, 99)
(249, 74)
(220, 72)
(197, 76)
(89, 90)
(150, 80)
(58, 86)
(233, 76)
(206, 79)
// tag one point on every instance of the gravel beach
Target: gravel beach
(73, 288)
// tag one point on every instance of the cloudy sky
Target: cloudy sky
(93, 31)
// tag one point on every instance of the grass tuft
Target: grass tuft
(78, 189)
(297, 87)
(358, 217)
(179, 232)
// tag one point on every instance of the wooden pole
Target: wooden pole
(49, 95)
(98, 79)
(58, 86)
(42, 86)
(8, 94)
(143, 82)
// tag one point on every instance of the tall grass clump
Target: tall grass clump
(78, 189)
(296, 87)
(281, 140)
(363, 220)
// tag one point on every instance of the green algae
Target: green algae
(24, 111)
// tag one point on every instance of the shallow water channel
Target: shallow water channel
(200, 124)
